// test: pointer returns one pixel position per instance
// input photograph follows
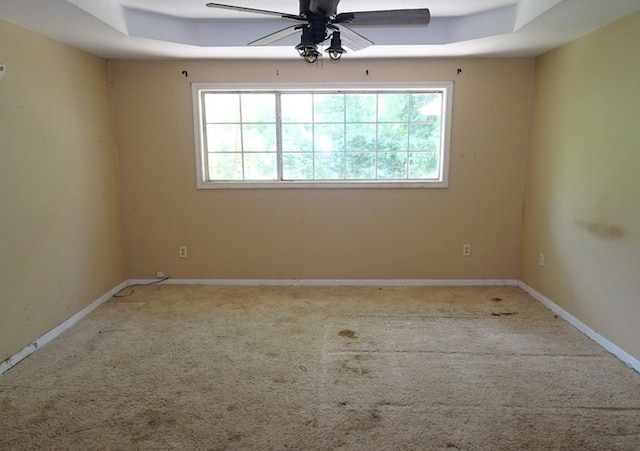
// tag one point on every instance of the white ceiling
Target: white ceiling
(187, 29)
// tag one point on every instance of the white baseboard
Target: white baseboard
(582, 327)
(13, 360)
(55, 332)
(335, 282)
(25, 352)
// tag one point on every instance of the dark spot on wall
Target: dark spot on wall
(601, 229)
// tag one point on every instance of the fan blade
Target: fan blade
(388, 17)
(256, 11)
(352, 40)
(273, 37)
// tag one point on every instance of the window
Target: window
(300, 137)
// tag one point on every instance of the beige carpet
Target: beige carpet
(282, 368)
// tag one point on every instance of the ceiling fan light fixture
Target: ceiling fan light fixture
(311, 56)
(335, 56)
(336, 50)
(306, 45)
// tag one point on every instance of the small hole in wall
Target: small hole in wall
(185, 73)
(459, 71)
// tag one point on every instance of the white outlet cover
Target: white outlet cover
(3, 70)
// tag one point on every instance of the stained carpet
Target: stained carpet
(321, 368)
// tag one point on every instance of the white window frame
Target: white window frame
(446, 87)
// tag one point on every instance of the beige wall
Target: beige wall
(60, 226)
(324, 233)
(583, 189)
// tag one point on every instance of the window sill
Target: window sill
(324, 184)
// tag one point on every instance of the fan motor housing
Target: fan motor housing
(318, 29)
(326, 8)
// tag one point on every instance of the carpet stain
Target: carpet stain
(313, 423)
(497, 299)
(348, 333)
(159, 418)
(384, 403)
(356, 369)
(235, 437)
(5, 403)
(297, 331)
(46, 408)
(365, 421)
(503, 313)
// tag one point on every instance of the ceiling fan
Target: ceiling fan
(319, 20)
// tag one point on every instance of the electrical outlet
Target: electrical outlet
(182, 252)
(466, 250)
(159, 274)
(540, 259)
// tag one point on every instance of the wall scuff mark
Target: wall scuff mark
(601, 229)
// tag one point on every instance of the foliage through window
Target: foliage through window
(321, 136)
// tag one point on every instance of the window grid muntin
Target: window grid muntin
(241, 134)
(279, 157)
